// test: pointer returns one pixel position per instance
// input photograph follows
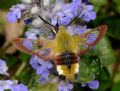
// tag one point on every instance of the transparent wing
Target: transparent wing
(92, 37)
(32, 47)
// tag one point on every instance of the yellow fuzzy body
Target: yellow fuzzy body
(69, 73)
(63, 42)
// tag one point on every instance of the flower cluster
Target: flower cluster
(37, 14)
(3, 68)
(42, 68)
(12, 85)
(30, 12)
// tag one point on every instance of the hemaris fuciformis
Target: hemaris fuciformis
(64, 49)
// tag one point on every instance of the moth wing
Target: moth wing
(93, 36)
(90, 38)
(32, 47)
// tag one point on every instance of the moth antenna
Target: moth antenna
(47, 22)
(74, 18)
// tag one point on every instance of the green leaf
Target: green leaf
(52, 86)
(85, 73)
(117, 7)
(116, 87)
(35, 85)
(113, 28)
(104, 85)
(98, 2)
(7, 4)
(105, 52)
(24, 56)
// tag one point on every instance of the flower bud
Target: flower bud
(27, 1)
(35, 10)
(37, 22)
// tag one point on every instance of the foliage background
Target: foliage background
(108, 12)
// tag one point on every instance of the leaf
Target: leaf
(35, 85)
(105, 52)
(7, 4)
(24, 56)
(117, 7)
(104, 85)
(45, 87)
(98, 2)
(113, 28)
(86, 72)
(116, 87)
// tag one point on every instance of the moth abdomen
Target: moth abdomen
(67, 65)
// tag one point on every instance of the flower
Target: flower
(87, 13)
(65, 13)
(34, 62)
(93, 84)
(12, 85)
(46, 3)
(32, 34)
(14, 15)
(3, 67)
(42, 68)
(28, 21)
(37, 23)
(16, 12)
(5, 84)
(65, 86)
(19, 87)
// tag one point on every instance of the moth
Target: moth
(65, 49)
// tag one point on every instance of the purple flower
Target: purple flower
(32, 34)
(34, 62)
(42, 68)
(5, 84)
(66, 13)
(28, 21)
(86, 2)
(12, 85)
(3, 67)
(65, 86)
(19, 87)
(93, 84)
(87, 13)
(14, 15)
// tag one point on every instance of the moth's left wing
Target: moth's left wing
(32, 47)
